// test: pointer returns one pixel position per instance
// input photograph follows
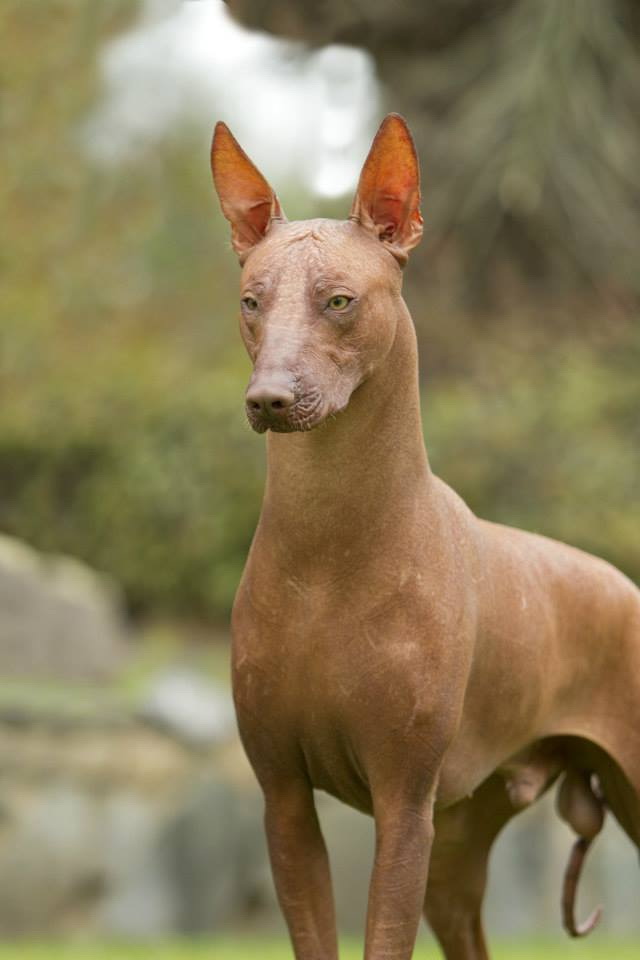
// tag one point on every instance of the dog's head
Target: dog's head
(319, 297)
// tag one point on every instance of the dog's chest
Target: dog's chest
(330, 739)
(324, 738)
(331, 690)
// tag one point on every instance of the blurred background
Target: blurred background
(129, 481)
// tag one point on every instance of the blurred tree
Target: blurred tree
(526, 113)
(122, 435)
(48, 80)
(122, 440)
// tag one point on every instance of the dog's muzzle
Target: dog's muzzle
(282, 410)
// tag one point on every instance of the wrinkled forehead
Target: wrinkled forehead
(309, 251)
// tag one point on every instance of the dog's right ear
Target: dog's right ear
(247, 200)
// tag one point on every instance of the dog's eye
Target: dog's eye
(339, 302)
(249, 303)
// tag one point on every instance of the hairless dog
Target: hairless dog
(432, 669)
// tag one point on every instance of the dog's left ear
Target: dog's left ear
(247, 200)
(387, 201)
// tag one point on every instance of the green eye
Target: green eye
(339, 302)
(250, 303)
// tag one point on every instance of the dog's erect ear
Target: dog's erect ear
(247, 200)
(387, 201)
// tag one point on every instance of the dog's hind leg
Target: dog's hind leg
(464, 835)
(622, 798)
(617, 771)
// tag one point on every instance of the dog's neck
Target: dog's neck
(337, 488)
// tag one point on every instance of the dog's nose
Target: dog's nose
(269, 400)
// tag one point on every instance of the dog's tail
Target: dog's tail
(581, 805)
(569, 888)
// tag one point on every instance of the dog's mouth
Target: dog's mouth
(305, 413)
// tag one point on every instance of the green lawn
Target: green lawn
(236, 949)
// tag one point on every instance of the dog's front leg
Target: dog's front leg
(404, 835)
(300, 869)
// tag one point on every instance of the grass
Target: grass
(271, 949)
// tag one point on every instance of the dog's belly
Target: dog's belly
(333, 765)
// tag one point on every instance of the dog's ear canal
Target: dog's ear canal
(247, 200)
(387, 201)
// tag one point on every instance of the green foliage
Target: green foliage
(532, 155)
(547, 437)
(144, 468)
(122, 436)
(141, 462)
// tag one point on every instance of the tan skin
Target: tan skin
(426, 667)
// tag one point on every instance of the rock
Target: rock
(140, 900)
(202, 845)
(189, 706)
(58, 618)
(50, 870)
